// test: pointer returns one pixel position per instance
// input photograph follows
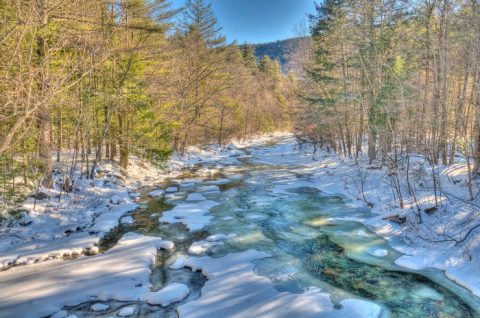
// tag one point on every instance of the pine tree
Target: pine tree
(249, 57)
(198, 16)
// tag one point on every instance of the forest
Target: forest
(114, 78)
(401, 76)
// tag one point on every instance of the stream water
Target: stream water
(294, 224)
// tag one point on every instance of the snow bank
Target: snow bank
(466, 275)
(66, 224)
(172, 293)
(122, 273)
(32, 252)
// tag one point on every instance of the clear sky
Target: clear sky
(257, 21)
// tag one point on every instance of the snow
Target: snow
(127, 220)
(127, 311)
(172, 293)
(220, 237)
(467, 276)
(233, 290)
(99, 307)
(54, 226)
(108, 220)
(179, 263)
(32, 252)
(353, 308)
(201, 247)
(193, 215)
(122, 273)
(195, 197)
(209, 188)
(166, 245)
(171, 189)
(60, 314)
(135, 195)
(156, 193)
(220, 182)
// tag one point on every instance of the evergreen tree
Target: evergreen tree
(270, 67)
(249, 57)
(198, 16)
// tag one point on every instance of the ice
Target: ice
(172, 293)
(427, 292)
(378, 252)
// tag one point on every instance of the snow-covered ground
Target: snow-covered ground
(60, 224)
(42, 289)
(64, 225)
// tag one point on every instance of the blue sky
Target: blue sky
(257, 21)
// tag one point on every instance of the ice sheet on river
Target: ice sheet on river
(122, 273)
(233, 290)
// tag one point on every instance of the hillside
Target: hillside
(280, 50)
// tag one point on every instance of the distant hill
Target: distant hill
(280, 50)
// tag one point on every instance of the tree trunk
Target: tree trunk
(44, 113)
